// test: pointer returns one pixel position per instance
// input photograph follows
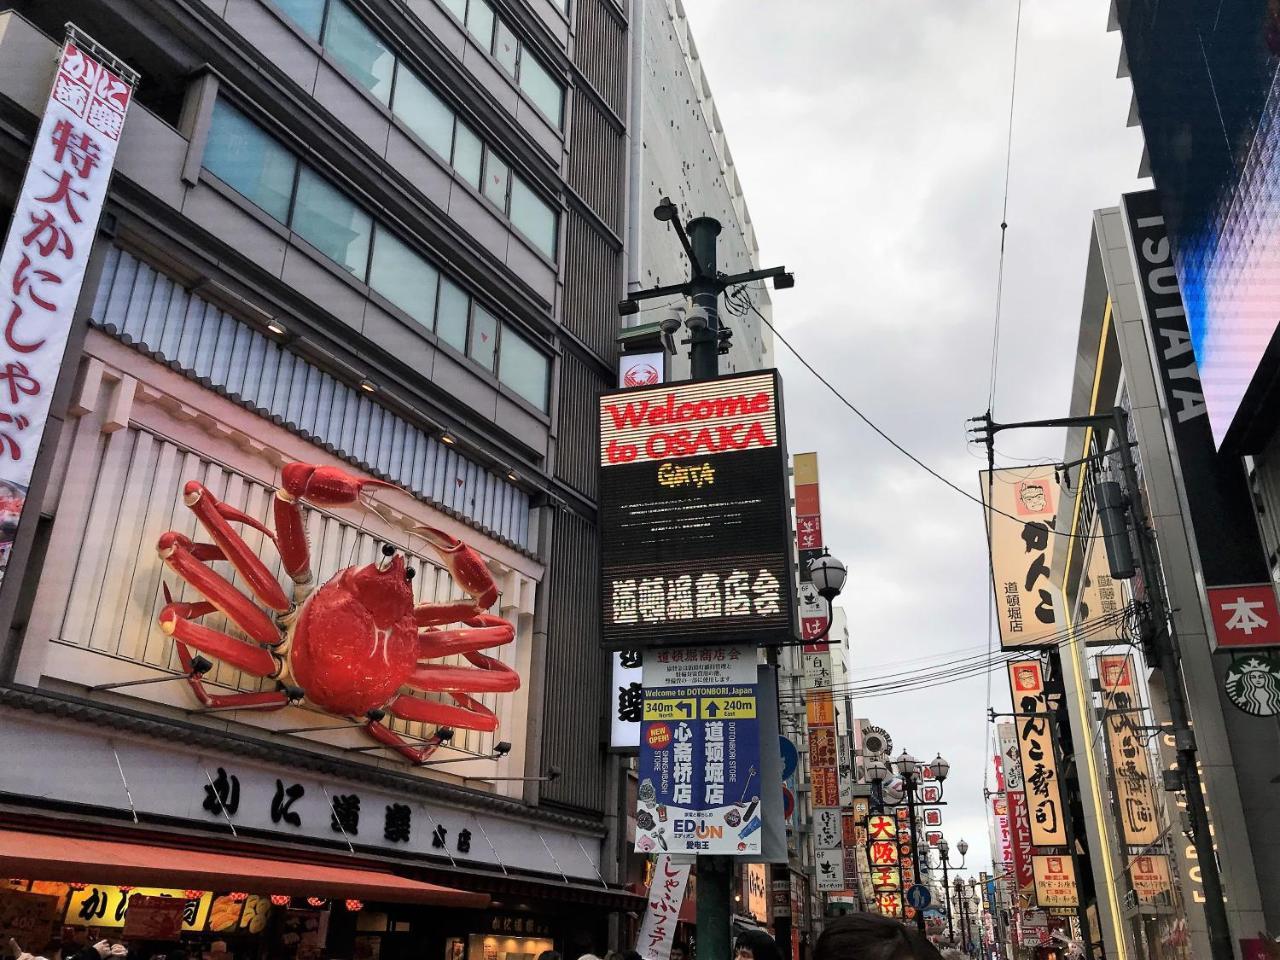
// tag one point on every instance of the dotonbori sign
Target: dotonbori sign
(694, 514)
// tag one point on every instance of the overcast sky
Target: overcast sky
(870, 141)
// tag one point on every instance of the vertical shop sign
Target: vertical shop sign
(1101, 596)
(1055, 876)
(47, 252)
(1036, 749)
(699, 753)
(1010, 760)
(1004, 833)
(1151, 878)
(1026, 501)
(666, 893)
(1020, 827)
(1127, 753)
(813, 612)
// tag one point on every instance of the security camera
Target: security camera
(502, 748)
(670, 327)
(696, 321)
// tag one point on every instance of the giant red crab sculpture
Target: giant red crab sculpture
(354, 644)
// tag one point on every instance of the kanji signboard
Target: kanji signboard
(666, 893)
(1039, 763)
(699, 753)
(45, 255)
(1055, 881)
(1020, 539)
(694, 515)
(1150, 877)
(1020, 829)
(1245, 617)
(1127, 756)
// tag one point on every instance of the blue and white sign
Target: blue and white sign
(700, 780)
(918, 896)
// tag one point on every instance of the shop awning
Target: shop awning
(40, 856)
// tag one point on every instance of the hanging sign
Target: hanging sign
(45, 256)
(1253, 685)
(1004, 833)
(1244, 617)
(1020, 828)
(699, 768)
(1034, 731)
(1010, 760)
(694, 515)
(1101, 596)
(1020, 547)
(666, 893)
(628, 701)
(829, 865)
(1127, 753)
(1150, 877)
(1055, 881)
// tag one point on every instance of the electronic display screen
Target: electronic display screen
(694, 515)
(1205, 79)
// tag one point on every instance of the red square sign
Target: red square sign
(1245, 616)
(933, 817)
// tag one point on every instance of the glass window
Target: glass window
(542, 88)
(458, 7)
(533, 217)
(308, 14)
(403, 277)
(330, 221)
(484, 337)
(468, 151)
(451, 315)
(480, 22)
(249, 161)
(496, 174)
(506, 47)
(424, 113)
(524, 368)
(359, 50)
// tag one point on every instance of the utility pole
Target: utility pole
(1168, 655)
(707, 340)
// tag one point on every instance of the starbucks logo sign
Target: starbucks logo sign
(1253, 685)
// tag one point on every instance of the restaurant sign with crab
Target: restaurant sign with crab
(355, 646)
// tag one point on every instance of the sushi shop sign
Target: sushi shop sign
(694, 515)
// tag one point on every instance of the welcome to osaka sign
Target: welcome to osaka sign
(694, 514)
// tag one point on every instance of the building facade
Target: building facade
(377, 236)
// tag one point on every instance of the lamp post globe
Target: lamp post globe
(941, 767)
(877, 771)
(963, 847)
(828, 575)
(944, 848)
(906, 764)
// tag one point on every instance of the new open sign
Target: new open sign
(694, 514)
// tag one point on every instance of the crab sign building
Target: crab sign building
(297, 506)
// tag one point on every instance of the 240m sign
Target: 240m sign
(694, 514)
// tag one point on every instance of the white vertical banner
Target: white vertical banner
(628, 701)
(666, 893)
(45, 255)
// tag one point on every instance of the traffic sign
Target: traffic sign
(918, 896)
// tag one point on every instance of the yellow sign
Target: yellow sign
(1020, 537)
(727, 708)
(1101, 597)
(101, 905)
(1034, 729)
(1127, 752)
(1150, 876)
(683, 709)
(820, 709)
(1055, 881)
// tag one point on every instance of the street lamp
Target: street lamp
(963, 897)
(827, 575)
(907, 770)
(877, 773)
(941, 768)
(944, 854)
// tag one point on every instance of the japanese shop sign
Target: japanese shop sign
(628, 700)
(1010, 761)
(829, 865)
(1055, 881)
(813, 611)
(694, 515)
(1004, 833)
(102, 905)
(1020, 550)
(1127, 753)
(642, 369)
(827, 830)
(45, 256)
(1020, 828)
(1101, 596)
(1244, 617)
(889, 904)
(1036, 747)
(154, 918)
(1150, 877)
(666, 893)
(699, 753)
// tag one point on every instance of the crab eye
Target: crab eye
(388, 550)
(409, 572)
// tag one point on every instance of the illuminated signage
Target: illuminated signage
(1020, 533)
(1127, 753)
(1034, 729)
(1150, 877)
(694, 515)
(1055, 881)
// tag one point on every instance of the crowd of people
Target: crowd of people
(857, 936)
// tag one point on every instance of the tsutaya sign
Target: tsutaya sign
(1026, 501)
(694, 515)
(47, 250)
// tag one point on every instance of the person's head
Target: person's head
(631, 955)
(678, 952)
(613, 955)
(755, 945)
(868, 936)
(550, 955)
(588, 956)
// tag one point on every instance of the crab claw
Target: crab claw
(465, 565)
(326, 486)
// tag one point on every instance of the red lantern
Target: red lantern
(316, 901)
(237, 897)
(281, 899)
(355, 906)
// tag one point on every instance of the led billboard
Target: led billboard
(695, 515)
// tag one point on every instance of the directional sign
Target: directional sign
(918, 896)
(727, 708)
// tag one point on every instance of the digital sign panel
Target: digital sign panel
(694, 515)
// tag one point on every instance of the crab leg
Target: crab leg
(484, 631)
(214, 516)
(469, 714)
(177, 620)
(393, 740)
(179, 553)
(266, 700)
